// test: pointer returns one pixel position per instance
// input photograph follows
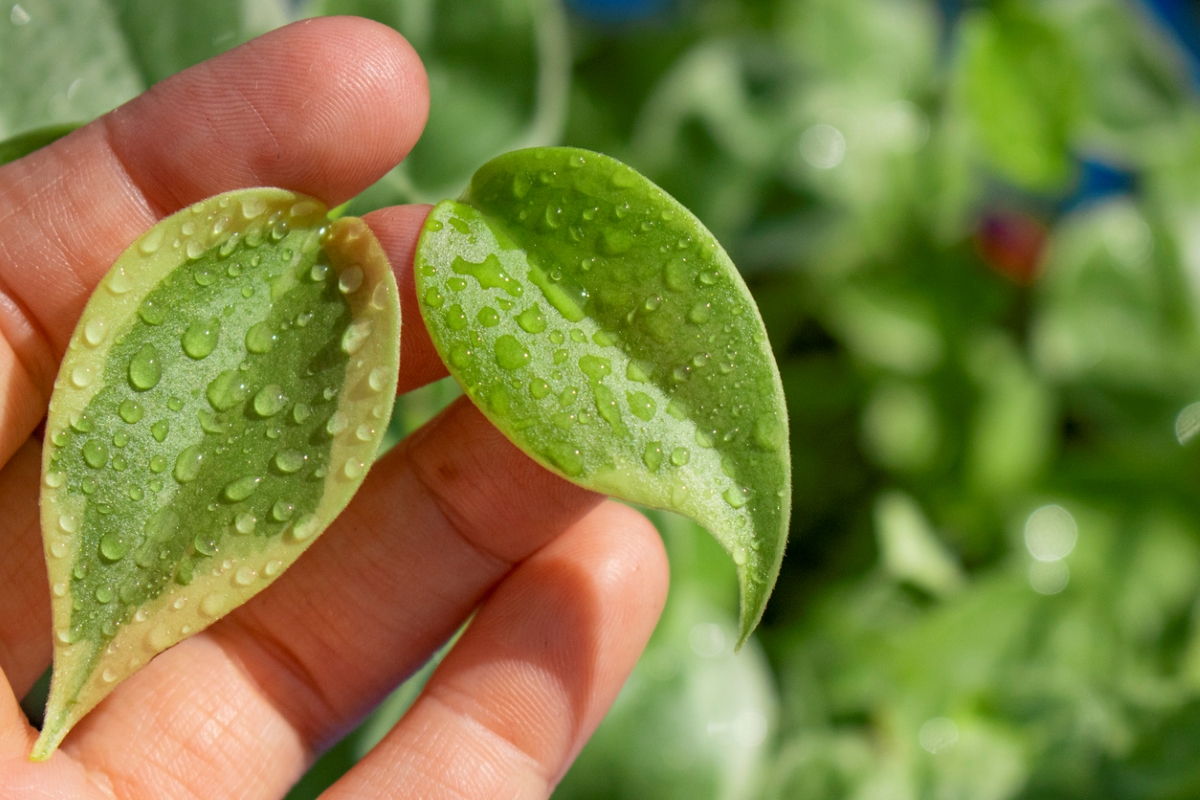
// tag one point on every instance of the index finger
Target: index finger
(287, 109)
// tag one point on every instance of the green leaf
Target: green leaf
(1021, 84)
(70, 60)
(603, 329)
(693, 720)
(23, 144)
(222, 397)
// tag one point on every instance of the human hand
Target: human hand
(565, 588)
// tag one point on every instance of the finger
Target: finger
(397, 229)
(322, 107)
(25, 593)
(438, 523)
(541, 662)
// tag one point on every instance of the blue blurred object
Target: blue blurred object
(1181, 18)
(617, 11)
(1097, 181)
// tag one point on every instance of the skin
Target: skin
(565, 586)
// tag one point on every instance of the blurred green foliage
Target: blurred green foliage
(993, 584)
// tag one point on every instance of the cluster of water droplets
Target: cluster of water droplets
(624, 275)
(124, 477)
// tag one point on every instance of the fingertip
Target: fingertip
(324, 106)
(398, 229)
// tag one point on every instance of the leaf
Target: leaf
(603, 329)
(1021, 84)
(693, 720)
(221, 399)
(23, 144)
(73, 60)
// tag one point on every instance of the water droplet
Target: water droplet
(94, 331)
(89, 485)
(561, 355)
(567, 458)
(200, 338)
(145, 368)
(364, 433)
(55, 479)
(680, 456)
(131, 411)
(80, 422)
(112, 547)
(531, 320)
(245, 522)
(210, 423)
(735, 496)
(187, 465)
(539, 388)
(269, 400)
(160, 429)
(213, 605)
(308, 525)
(158, 464)
(301, 412)
(244, 576)
(378, 379)
(95, 453)
(228, 246)
(289, 461)
(356, 336)
(739, 555)
(104, 594)
(652, 455)
(700, 313)
(227, 390)
(60, 590)
(704, 438)
(490, 274)
(460, 355)
(433, 297)
(677, 409)
(350, 280)
(260, 338)
(511, 354)
(642, 405)
(488, 317)
(58, 549)
(81, 376)
(118, 281)
(379, 296)
(282, 511)
(768, 433)
(595, 367)
(136, 493)
(337, 423)
(206, 544)
(239, 490)
(354, 469)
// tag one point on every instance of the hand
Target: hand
(565, 587)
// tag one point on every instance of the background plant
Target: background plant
(971, 230)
